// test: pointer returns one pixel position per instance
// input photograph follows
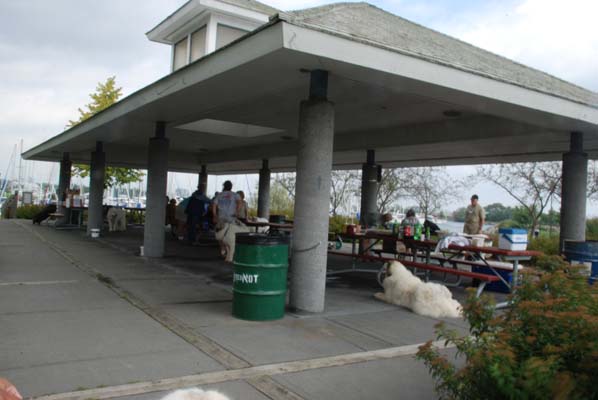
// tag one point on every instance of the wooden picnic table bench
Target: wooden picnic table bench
(483, 279)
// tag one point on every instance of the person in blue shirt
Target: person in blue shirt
(196, 211)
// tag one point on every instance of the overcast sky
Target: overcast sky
(54, 52)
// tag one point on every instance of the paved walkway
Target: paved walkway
(93, 318)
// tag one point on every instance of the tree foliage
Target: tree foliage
(391, 188)
(344, 184)
(429, 187)
(105, 95)
(543, 346)
(532, 185)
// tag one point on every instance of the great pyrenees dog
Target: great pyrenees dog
(226, 236)
(195, 394)
(117, 219)
(403, 288)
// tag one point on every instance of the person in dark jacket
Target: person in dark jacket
(196, 213)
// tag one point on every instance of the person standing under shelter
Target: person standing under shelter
(196, 211)
(226, 206)
(474, 217)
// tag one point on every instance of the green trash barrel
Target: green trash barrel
(260, 276)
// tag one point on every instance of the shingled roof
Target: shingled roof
(366, 23)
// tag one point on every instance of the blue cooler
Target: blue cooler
(578, 252)
(512, 239)
(498, 286)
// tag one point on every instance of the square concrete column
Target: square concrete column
(312, 200)
(574, 191)
(368, 215)
(95, 215)
(263, 194)
(202, 184)
(64, 183)
(157, 176)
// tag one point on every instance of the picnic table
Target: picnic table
(423, 246)
(269, 225)
(513, 256)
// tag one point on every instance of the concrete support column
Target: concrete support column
(263, 194)
(368, 215)
(64, 183)
(312, 201)
(95, 215)
(157, 177)
(574, 191)
(202, 185)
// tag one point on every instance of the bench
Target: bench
(483, 279)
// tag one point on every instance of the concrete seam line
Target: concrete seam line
(264, 384)
(28, 283)
(201, 342)
(274, 390)
(249, 373)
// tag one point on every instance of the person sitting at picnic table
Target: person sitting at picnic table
(410, 218)
(474, 217)
(196, 211)
(242, 211)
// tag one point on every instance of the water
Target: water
(453, 226)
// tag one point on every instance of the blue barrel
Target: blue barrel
(578, 252)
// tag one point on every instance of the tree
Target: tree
(343, 185)
(105, 95)
(390, 189)
(280, 200)
(532, 184)
(497, 212)
(429, 187)
(287, 181)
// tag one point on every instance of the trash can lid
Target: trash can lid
(261, 239)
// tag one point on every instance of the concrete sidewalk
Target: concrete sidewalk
(78, 314)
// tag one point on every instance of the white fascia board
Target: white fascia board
(164, 29)
(235, 11)
(260, 43)
(235, 22)
(343, 48)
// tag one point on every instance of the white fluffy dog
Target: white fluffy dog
(195, 394)
(403, 288)
(226, 237)
(116, 219)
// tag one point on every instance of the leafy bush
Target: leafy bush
(548, 245)
(592, 229)
(337, 223)
(29, 211)
(544, 346)
(512, 224)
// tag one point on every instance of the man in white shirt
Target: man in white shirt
(226, 205)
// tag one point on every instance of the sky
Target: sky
(53, 54)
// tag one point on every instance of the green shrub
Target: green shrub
(337, 223)
(29, 211)
(545, 346)
(549, 245)
(592, 229)
(512, 224)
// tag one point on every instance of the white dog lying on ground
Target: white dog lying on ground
(116, 219)
(403, 288)
(226, 237)
(195, 394)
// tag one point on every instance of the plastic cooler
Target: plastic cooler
(512, 239)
